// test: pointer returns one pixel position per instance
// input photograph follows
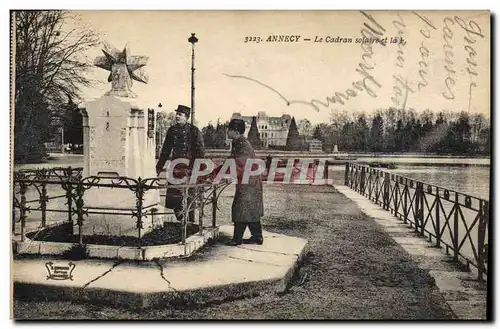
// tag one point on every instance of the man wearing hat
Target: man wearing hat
(248, 204)
(183, 140)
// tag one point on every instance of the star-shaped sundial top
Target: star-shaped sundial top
(123, 69)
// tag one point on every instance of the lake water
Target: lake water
(473, 180)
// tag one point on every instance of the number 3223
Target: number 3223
(252, 39)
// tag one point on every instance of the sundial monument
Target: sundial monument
(116, 143)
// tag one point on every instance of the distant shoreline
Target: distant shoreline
(76, 160)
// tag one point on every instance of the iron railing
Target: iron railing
(455, 220)
(31, 194)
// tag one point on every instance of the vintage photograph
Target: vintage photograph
(250, 165)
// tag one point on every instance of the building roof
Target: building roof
(285, 118)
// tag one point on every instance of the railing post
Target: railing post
(370, 184)
(352, 175)
(438, 221)
(378, 186)
(153, 215)
(197, 204)
(396, 198)
(481, 233)
(79, 190)
(214, 207)
(416, 214)
(22, 208)
(139, 193)
(386, 191)
(362, 181)
(422, 207)
(43, 204)
(69, 194)
(405, 202)
(455, 229)
(325, 172)
(346, 174)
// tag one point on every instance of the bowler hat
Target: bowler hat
(183, 109)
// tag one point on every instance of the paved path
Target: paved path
(466, 296)
(354, 270)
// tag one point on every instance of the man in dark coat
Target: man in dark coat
(183, 140)
(248, 205)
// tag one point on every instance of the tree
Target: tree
(390, 124)
(347, 140)
(305, 128)
(376, 134)
(398, 136)
(253, 135)
(317, 133)
(209, 136)
(163, 122)
(361, 133)
(220, 135)
(485, 141)
(50, 70)
(73, 125)
(293, 139)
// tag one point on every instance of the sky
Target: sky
(443, 63)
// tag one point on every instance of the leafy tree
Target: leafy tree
(163, 122)
(220, 135)
(361, 133)
(398, 136)
(317, 133)
(484, 141)
(73, 125)
(50, 70)
(209, 136)
(376, 134)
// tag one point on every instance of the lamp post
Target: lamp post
(62, 139)
(160, 128)
(193, 39)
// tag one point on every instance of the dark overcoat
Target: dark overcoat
(248, 204)
(184, 141)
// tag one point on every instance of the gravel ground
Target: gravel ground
(353, 270)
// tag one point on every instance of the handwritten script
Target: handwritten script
(410, 74)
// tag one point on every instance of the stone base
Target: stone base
(193, 243)
(223, 273)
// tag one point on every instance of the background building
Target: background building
(272, 130)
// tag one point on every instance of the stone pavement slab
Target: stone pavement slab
(223, 272)
(35, 271)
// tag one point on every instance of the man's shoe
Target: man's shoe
(253, 241)
(233, 243)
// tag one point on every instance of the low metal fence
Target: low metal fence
(455, 220)
(35, 189)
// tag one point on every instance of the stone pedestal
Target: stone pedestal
(116, 144)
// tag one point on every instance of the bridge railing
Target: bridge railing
(35, 190)
(450, 219)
